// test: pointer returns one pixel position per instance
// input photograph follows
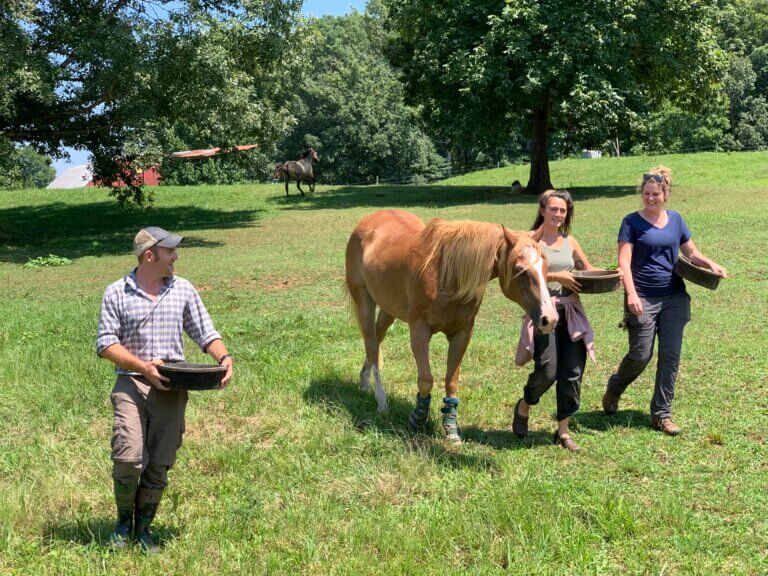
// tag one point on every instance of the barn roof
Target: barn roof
(77, 177)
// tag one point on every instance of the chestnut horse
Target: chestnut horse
(434, 277)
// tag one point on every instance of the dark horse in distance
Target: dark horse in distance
(300, 170)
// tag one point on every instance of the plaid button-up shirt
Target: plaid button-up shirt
(153, 330)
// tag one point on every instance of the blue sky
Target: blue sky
(313, 7)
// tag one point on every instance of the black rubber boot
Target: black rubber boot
(420, 415)
(125, 497)
(450, 412)
(147, 502)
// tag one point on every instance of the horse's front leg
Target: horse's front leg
(298, 185)
(457, 346)
(312, 184)
(421, 334)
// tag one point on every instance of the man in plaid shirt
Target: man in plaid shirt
(141, 323)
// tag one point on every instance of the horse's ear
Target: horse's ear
(509, 236)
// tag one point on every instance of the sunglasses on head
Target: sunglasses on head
(658, 178)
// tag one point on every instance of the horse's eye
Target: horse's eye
(519, 267)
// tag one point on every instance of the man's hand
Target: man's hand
(228, 362)
(155, 378)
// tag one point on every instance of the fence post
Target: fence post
(377, 180)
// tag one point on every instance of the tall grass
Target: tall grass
(291, 469)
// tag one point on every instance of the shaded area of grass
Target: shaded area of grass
(443, 196)
(101, 228)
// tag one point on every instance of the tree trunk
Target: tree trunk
(539, 180)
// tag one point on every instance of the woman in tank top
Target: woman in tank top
(561, 355)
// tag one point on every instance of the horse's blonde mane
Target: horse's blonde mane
(464, 251)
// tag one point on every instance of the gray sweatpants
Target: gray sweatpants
(665, 316)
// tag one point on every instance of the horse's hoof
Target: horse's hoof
(416, 424)
(452, 434)
(453, 438)
(381, 408)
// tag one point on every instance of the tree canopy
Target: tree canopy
(131, 80)
(350, 106)
(534, 66)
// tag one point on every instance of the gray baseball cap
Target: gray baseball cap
(154, 236)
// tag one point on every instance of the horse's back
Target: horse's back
(377, 256)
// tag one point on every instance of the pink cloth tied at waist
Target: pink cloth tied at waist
(578, 328)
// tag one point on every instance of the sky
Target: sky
(311, 7)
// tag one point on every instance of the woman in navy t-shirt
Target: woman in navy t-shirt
(656, 302)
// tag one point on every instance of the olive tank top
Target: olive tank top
(559, 261)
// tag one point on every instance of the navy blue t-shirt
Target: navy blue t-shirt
(654, 253)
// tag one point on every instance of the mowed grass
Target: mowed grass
(292, 471)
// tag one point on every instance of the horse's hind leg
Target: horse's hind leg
(287, 179)
(383, 322)
(298, 185)
(365, 309)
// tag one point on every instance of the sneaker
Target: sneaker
(610, 403)
(666, 425)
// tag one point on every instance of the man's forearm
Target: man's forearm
(120, 356)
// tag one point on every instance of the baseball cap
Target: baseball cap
(154, 236)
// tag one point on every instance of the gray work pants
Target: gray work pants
(665, 317)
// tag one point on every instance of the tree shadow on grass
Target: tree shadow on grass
(343, 396)
(102, 228)
(600, 421)
(429, 196)
(96, 531)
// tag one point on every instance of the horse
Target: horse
(300, 170)
(434, 277)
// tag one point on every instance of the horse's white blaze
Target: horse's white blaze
(381, 396)
(536, 263)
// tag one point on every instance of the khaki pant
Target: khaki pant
(148, 423)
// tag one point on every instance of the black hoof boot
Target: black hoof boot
(419, 416)
(450, 412)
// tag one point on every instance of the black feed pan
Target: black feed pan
(597, 281)
(188, 376)
(701, 276)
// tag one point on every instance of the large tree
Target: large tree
(131, 80)
(350, 106)
(491, 67)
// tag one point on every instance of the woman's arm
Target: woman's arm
(693, 254)
(625, 264)
(579, 258)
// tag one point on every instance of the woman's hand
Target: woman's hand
(717, 269)
(635, 305)
(566, 280)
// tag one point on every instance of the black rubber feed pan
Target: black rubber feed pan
(597, 281)
(701, 276)
(188, 376)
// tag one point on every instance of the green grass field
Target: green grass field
(292, 471)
